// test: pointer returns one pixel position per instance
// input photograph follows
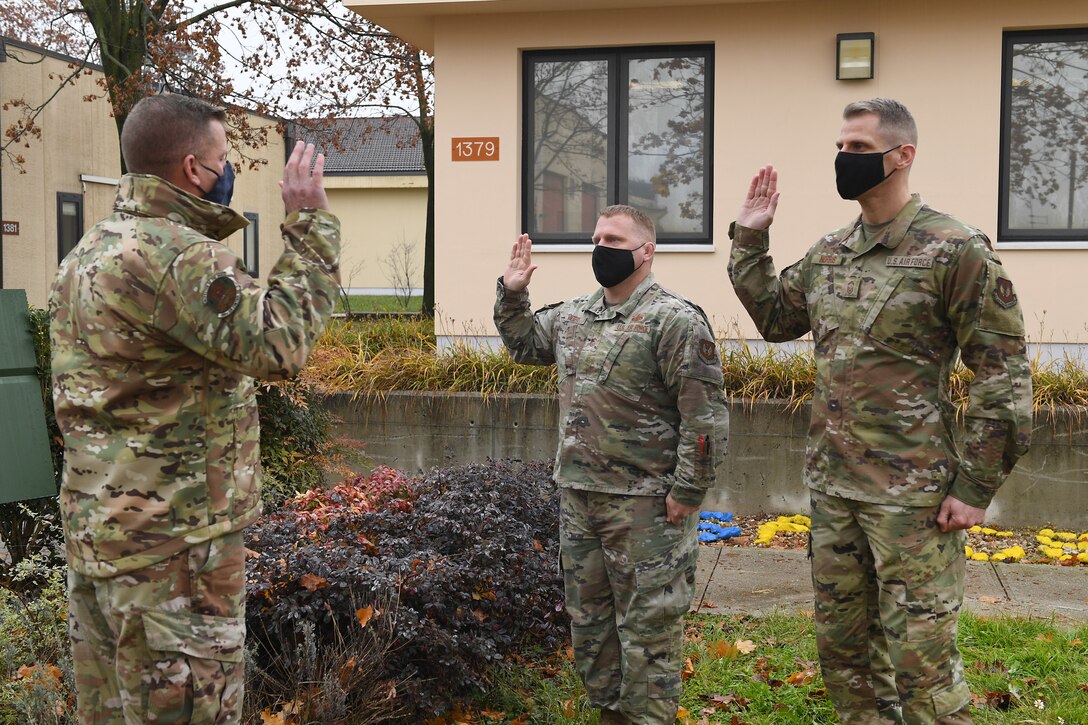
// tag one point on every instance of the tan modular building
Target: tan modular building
(377, 185)
(68, 178)
(548, 109)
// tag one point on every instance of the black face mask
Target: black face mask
(855, 174)
(612, 266)
(223, 189)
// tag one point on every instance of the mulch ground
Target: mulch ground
(984, 543)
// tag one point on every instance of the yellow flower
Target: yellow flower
(975, 529)
(1046, 532)
(1006, 533)
(1083, 537)
(1065, 536)
(1083, 558)
(989, 532)
(1052, 552)
(1013, 552)
(968, 552)
(980, 556)
(1066, 557)
(1045, 540)
(1082, 545)
(999, 556)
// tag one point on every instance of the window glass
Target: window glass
(1045, 154)
(617, 126)
(666, 177)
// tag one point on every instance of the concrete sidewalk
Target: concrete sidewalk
(760, 581)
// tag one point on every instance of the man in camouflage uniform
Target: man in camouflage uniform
(157, 333)
(890, 299)
(643, 424)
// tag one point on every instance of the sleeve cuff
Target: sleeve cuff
(504, 295)
(971, 492)
(687, 496)
(745, 237)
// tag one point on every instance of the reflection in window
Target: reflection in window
(606, 127)
(665, 141)
(1045, 136)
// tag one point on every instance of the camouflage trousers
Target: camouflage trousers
(629, 578)
(888, 589)
(162, 644)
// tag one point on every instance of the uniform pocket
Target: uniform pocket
(197, 635)
(898, 314)
(196, 669)
(627, 370)
(933, 574)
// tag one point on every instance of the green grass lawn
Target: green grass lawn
(765, 672)
(381, 303)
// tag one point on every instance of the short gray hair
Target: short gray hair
(162, 130)
(641, 219)
(895, 120)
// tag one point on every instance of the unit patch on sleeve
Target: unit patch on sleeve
(1004, 294)
(707, 353)
(222, 295)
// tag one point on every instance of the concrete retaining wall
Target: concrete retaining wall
(416, 431)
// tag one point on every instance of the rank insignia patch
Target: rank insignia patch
(1004, 294)
(707, 352)
(222, 294)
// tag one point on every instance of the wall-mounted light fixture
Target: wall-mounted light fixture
(854, 56)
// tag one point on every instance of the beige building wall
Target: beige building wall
(79, 154)
(776, 101)
(380, 215)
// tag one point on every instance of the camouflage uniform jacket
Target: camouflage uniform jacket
(887, 316)
(156, 331)
(641, 407)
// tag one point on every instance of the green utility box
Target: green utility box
(26, 465)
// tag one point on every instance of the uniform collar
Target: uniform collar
(595, 304)
(151, 196)
(890, 236)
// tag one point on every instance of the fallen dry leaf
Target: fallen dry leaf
(989, 600)
(364, 615)
(312, 582)
(688, 670)
(803, 676)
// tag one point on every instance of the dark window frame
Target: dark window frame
(617, 190)
(62, 197)
(252, 267)
(1005, 233)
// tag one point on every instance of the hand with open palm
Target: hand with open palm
(759, 206)
(520, 268)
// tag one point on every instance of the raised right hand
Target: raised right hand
(302, 188)
(520, 268)
(757, 211)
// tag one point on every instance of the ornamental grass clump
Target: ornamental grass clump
(373, 357)
(447, 574)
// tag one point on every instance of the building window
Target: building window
(625, 126)
(252, 251)
(69, 222)
(1044, 137)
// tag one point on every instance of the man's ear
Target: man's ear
(906, 156)
(649, 250)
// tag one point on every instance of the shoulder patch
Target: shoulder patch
(1004, 294)
(222, 295)
(999, 308)
(708, 352)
